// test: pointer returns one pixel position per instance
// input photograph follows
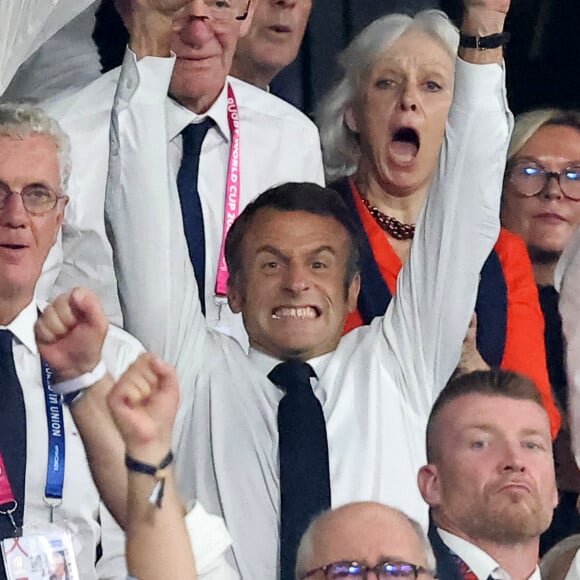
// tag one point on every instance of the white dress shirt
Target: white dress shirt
(66, 62)
(376, 389)
(479, 562)
(567, 282)
(278, 144)
(25, 25)
(209, 540)
(81, 511)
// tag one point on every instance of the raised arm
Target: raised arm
(157, 287)
(25, 25)
(70, 336)
(143, 404)
(460, 221)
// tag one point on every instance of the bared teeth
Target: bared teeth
(304, 312)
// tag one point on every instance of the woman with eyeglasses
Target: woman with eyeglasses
(382, 126)
(541, 203)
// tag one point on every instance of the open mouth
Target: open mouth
(13, 246)
(405, 145)
(295, 313)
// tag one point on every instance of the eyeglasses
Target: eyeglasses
(224, 11)
(37, 199)
(383, 570)
(529, 179)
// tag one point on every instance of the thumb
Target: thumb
(87, 307)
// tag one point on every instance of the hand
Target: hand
(144, 404)
(484, 17)
(470, 359)
(70, 333)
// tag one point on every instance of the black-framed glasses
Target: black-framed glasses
(227, 10)
(37, 199)
(529, 179)
(386, 570)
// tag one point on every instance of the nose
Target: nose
(552, 189)
(409, 98)
(297, 278)
(13, 214)
(513, 460)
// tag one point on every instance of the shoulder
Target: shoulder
(259, 104)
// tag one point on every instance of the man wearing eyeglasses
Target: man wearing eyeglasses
(354, 540)
(490, 479)
(44, 475)
(231, 162)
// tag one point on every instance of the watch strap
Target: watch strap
(484, 42)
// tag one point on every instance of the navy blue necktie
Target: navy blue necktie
(193, 136)
(12, 431)
(304, 474)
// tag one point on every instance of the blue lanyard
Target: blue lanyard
(56, 449)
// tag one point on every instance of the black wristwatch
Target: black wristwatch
(484, 42)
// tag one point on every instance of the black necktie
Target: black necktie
(193, 136)
(304, 475)
(12, 431)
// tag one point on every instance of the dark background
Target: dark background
(543, 55)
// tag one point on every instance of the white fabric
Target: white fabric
(479, 562)
(81, 508)
(25, 25)
(376, 388)
(574, 570)
(62, 65)
(278, 144)
(209, 541)
(567, 282)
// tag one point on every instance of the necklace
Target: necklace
(391, 225)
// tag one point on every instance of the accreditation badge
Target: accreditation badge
(43, 554)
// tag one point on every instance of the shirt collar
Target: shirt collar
(22, 327)
(265, 363)
(480, 563)
(178, 116)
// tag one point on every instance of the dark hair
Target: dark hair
(490, 383)
(307, 197)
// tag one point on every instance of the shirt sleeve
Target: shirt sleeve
(567, 282)
(436, 289)
(157, 288)
(525, 351)
(210, 541)
(26, 24)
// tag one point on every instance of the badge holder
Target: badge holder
(41, 553)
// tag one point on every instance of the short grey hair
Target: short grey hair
(528, 123)
(306, 546)
(20, 120)
(340, 147)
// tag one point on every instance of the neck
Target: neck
(544, 274)
(404, 205)
(200, 105)
(242, 69)
(12, 306)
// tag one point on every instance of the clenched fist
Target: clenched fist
(70, 333)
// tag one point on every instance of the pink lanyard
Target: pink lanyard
(7, 500)
(232, 201)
